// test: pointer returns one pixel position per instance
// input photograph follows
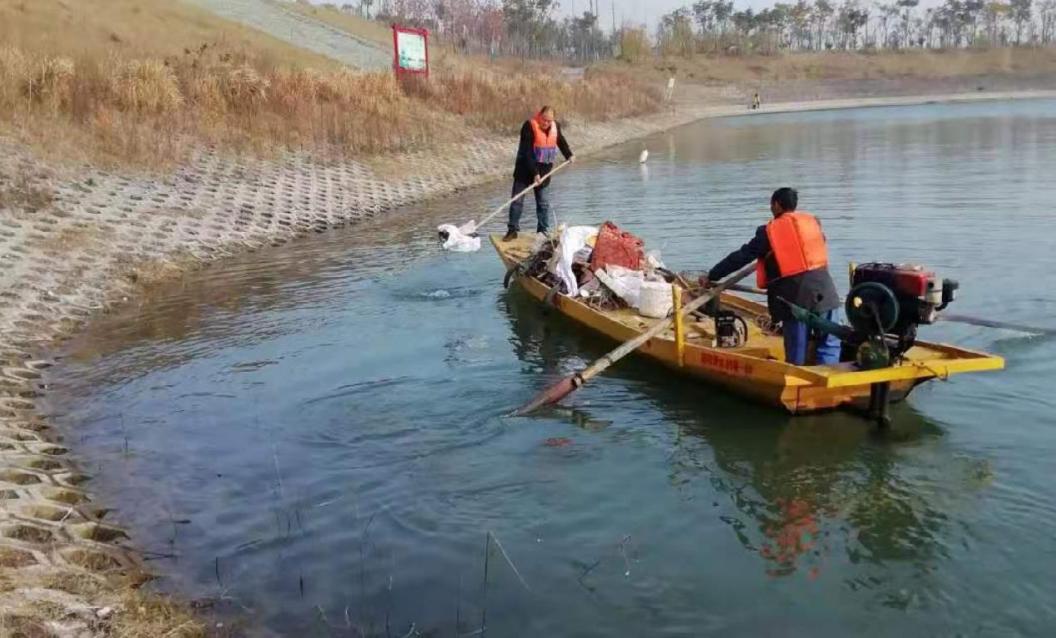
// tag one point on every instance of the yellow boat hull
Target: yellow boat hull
(758, 370)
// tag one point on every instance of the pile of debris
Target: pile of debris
(605, 267)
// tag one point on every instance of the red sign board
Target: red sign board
(410, 51)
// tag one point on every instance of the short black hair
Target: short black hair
(787, 198)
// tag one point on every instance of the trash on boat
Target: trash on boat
(623, 282)
(574, 244)
(601, 264)
(655, 299)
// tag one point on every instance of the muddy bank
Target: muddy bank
(73, 242)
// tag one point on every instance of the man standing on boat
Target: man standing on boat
(792, 265)
(541, 139)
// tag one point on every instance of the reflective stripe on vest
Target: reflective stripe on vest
(797, 245)
(544, 145)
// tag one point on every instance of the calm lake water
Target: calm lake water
(315, 433)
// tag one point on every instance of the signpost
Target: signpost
(410, 51)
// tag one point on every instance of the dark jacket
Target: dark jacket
(813, 290)
(526, 168)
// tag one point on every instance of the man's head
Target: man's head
(546, 117)
(783, 200)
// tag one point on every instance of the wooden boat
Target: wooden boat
(757, 370)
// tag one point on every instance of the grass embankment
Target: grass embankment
(143, 83)
(368, 30)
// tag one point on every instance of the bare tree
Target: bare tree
(799, 21)
(1021, 16)
(907, 7)
(852, 17)
(1047, 15)
(820, 16)
(674, 33)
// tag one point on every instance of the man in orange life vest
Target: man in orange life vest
(792, 264)
(541, 139)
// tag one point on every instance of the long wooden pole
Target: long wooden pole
(951, 317)
(573, 382)
(553, 171)
(680, 333)
(989, 323)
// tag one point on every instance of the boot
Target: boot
(510, 235)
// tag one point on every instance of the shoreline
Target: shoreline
(104, 235)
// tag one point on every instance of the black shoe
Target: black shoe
(510, 236)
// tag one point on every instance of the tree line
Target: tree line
(713, 25)
(532, 28)
(528, 28)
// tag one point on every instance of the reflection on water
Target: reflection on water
(315, 433)
(794, 484)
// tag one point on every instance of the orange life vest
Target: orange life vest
(544, 146)
(796, 246)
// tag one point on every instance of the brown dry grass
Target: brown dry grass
(14, 558)
(144, 82)
(23, 194)
(858, 66)
(134, 29)
(137, 613)
(150, 111)
(499, 97)
(149, 273)
(145, 615)
(21, 626)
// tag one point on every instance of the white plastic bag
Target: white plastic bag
(653, 261)
(624, 282)
(459, 240)
(572, 241)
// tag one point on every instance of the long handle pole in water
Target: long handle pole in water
(574, 381)
(988, 323)
(519, 195)
(950, 317)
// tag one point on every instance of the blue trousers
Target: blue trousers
(797, 337)
(542, 207)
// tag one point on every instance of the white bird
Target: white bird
(644, 157)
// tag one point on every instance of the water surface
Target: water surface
(314, 433)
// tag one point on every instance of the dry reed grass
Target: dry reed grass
(130, 83)
(835, 65)
(149, 616)
(153, 111)
(23, 194)
(136, 612)
(499, 96)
